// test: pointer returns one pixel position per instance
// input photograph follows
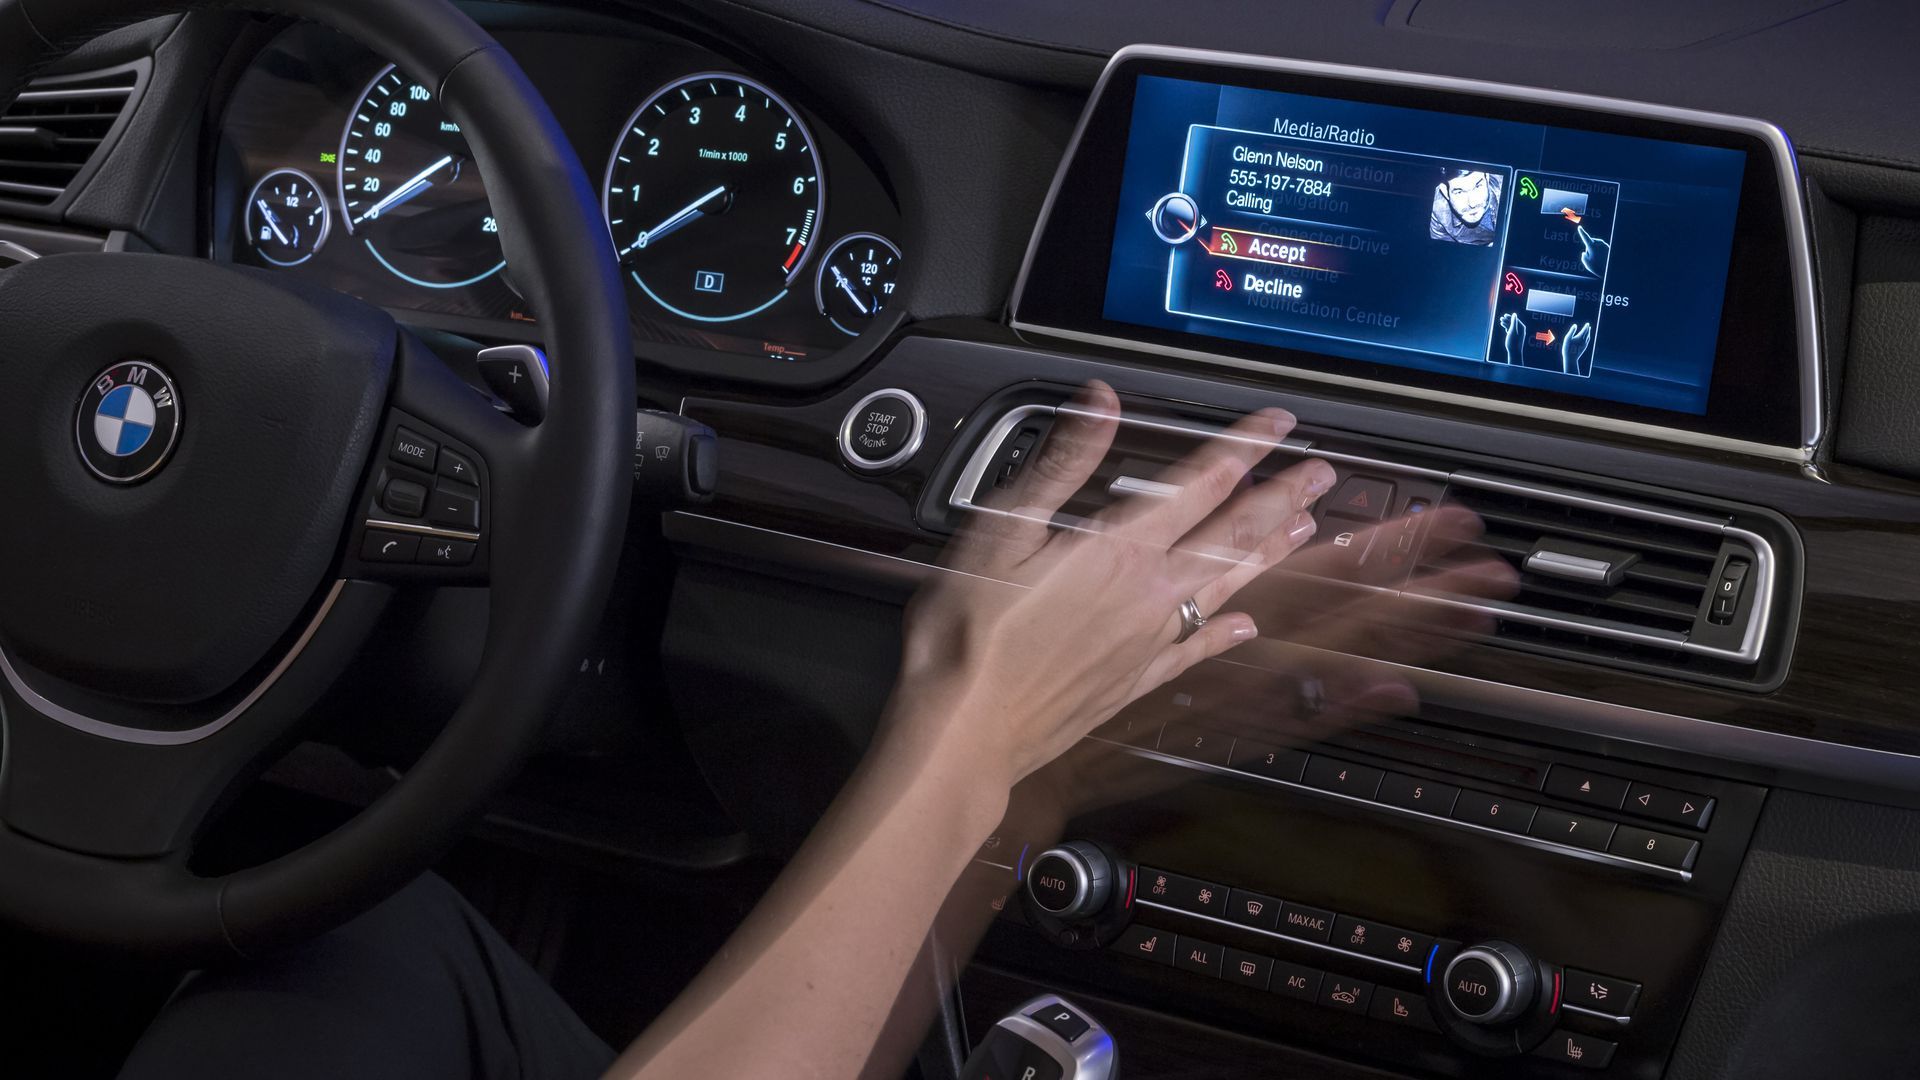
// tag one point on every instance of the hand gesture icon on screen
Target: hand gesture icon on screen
(1593, 252)
(1513, 339)
(1576, 351)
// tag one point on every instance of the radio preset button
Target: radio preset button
(1672, 852)
(1265, 759)
(1494, 812)
(1591, 834)
(1345, 777)
(1415, 793)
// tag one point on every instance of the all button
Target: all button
(882, 430)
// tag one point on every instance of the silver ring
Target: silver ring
(1190, 619)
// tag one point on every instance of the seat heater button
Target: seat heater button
(1146, 943)
(412, 449)
(404, 497)
(1572, 1048)
(1400, 1007)
(437, 552)
(454, 510)
(388, 547)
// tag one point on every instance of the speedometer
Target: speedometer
(410, 190)
(714, 195)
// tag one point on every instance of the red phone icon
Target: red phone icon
(1513, 284)
(1222, 280)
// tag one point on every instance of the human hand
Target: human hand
(1034, 636)
(1593, 252)
(1514, 336)
(1573, 349)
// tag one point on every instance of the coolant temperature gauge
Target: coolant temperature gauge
(857, 278)
(286, 217)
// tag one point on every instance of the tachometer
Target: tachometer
(714, 194)
(409, 189)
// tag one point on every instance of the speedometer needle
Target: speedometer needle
(408, 190)
(675, 220)
(272, 221)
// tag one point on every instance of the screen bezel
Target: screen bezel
(1764, 395)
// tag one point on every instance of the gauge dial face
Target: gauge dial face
(713, 195)
(857, 277)
(287, 217)
(410, 191)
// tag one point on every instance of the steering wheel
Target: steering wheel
(187, 471)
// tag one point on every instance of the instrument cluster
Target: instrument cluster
(742, 222)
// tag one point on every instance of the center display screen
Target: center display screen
(1568, 260)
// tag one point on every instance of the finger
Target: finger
(1221, 633)
(1013, 522)
(1276, 547)
(1207, 476)
(1246, 525)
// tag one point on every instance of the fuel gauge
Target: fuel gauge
(856, 280)
(287, 217)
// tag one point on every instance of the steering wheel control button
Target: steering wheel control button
(1672, 807)
(457, 468)
(1343, 777)
(1347, 995)
(882, 430)
(1494, 812)
(1060, 1020)
(405, 498)
(1418, 794)
(453, 509)
(1306, 923)
(1202, 957)
(1399, 1007)
(1592, 834)
(1253, 909)
(437, 552)
(1361, 498)
(1183, 893)
(128, 420)
(1146, 943)
(517, 375)
(1573, 1048)
(1581, 785)
(1672, 852)
(389, 547)
(1247, 969)
(409, 448)
(1601, 993)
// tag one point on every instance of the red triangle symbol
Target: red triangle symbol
(1358, 500)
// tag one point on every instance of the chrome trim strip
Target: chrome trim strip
(83, 94)
(146, 737)
(1534, 842)
(18, 253)
(423, 530)
(1412, 969)
(1850, 768)
(898, 457)
(1793, 206)
(1596, 1014)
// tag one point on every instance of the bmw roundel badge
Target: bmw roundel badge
(128, 421)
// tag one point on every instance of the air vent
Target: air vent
(1621, 581)
(57, 127)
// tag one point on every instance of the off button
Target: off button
(883, 430)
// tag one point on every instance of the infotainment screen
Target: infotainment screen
(1571, 260)
(1551, 255)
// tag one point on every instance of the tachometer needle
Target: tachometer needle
(675, 220)
(408, 190)
(273, 222)
(846, 285)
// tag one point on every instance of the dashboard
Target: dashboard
(744, 223)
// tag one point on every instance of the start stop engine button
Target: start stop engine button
(883, 430)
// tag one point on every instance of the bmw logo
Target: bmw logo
(128, 421)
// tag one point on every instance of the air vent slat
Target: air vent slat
(55, 128)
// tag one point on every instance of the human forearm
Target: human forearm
(804, 986)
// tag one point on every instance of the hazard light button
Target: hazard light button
(1362, 498)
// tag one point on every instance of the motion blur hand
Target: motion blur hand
(1039, 635)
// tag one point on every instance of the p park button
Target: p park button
(882, 430)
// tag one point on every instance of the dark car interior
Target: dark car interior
(384, 492)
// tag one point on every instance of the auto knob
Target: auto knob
(1072, 880)
(1490, 983)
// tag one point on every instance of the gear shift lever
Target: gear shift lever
(1045, 1039)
